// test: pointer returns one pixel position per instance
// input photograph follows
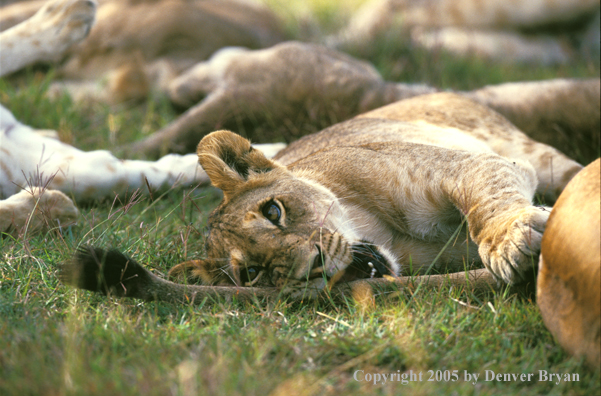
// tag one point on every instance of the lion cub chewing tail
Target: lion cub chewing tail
(380, 195)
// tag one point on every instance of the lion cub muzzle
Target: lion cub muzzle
(325, 254)
(338, 260)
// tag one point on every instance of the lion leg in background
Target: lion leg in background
(47, 34)
(220, 107)
(35, 209)
(569, 279)
(30, 159)
(237, 87)
(183, 134)
(275, 88)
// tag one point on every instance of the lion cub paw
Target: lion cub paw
(511, 252)
(302, 290)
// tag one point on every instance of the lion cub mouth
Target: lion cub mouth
(367, 262)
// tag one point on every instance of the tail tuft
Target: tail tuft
(106, 272)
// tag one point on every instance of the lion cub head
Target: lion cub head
(275, 227)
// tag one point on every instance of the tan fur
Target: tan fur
(447, 120)
(440, 160)
(497, 46)
(184, 32)
(476, 13)
(569, 280)
(15, 12)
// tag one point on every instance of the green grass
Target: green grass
(89, 126)
(55, 340)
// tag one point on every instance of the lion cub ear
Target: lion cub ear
(229, 159)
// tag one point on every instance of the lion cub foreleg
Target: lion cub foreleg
(496, 197)
(420, 188)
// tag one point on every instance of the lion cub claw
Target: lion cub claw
(512, 253)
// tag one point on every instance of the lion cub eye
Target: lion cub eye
(249, 274)
(272, 212)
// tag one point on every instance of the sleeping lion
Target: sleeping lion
(386, 194)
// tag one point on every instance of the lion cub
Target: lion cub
(386, 193)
